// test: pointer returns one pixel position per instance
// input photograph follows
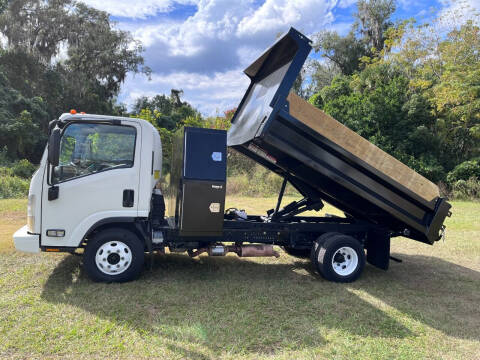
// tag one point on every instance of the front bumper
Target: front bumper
(26, 242)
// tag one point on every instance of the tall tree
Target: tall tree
(66, 55)
(345, 52)
(37, 27)
(378, 104)
(455, 94)
(169, 112)
(77, 41)
(299, 87)
(323, 73)
(373, 19)
(99, 52)
(442, 61)
(20, 132)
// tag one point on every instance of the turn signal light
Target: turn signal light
(56, 233)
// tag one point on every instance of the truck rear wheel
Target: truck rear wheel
(114, 255)
(319, 241)
(340, 258)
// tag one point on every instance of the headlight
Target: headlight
(31, 213)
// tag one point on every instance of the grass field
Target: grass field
(427, 307)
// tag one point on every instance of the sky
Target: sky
(203, 46)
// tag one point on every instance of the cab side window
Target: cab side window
(89, 148)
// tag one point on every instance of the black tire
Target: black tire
(319, 241)
(327, 252)
(125, 242)
(300, 253)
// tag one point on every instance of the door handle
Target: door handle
(128, 198)
(52, 193)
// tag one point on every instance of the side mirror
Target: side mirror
(51, 126)
(54, 147)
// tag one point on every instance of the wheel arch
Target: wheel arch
(133, 224)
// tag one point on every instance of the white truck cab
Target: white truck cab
(107, 169)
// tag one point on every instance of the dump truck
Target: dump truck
(96, 190)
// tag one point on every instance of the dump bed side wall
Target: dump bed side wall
(349, 140)
(317, 162)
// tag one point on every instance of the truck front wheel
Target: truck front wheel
(114, 255)
(340, 258)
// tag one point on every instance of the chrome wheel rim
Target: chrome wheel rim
(113, 257)
(345, 261)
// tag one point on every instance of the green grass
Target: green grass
(8, 206)
(207, 308)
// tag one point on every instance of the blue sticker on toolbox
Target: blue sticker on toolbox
(217, 156)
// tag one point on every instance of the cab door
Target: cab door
(97, 178)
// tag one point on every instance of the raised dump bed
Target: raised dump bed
(323, 158)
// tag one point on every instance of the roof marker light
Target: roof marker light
(73, 111)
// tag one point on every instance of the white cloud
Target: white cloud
(204, 53)
(342, 28)
(136, 8)
(209, 94)
(346, 3)
(276, 15)
(212, 39)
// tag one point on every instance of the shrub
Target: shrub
(238, 164)
(316, 100)
(258, 181)
(13, 187)
(464, 171)
(4, 156)
(466, 189)
(237, 185)
(445, 190)
(5, 171)
(23, 169)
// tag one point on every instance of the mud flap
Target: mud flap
(378, 249)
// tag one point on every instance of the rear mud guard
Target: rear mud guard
(378, 249)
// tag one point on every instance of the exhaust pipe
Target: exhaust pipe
(242, 250)
(257, 251)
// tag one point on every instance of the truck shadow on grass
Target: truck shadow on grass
(241, 306)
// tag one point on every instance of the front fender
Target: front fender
(82, 229)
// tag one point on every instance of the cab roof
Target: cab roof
(69, 117)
